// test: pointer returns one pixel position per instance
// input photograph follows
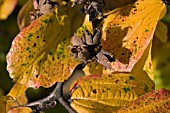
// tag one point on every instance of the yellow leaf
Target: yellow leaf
(6, 8)
(16, 96)
(148, 67)
(39, 54)
(86, 25)
(22, 99)
(3, 103)
(161, 32)
(20, 110)
(93, 68)
(95, 107)
(144, 66)
(128, 31)
(109, 91)
(17, 90)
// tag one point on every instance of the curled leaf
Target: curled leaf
(23, 18)
(161, 32)
(157, 101)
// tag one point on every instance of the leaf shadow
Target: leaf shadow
(126, 11)
(113, 43)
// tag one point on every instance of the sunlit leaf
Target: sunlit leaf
(148, 67)
(16, 96)
(157, 101)
(39, 54)
(107, 92)
(144, 67)
(17, 90)
(3, 103)
(161, 32)
(23, 18)
(20, 110)
(161, 64)
(22, 99)
(128, 31)
(6, 8)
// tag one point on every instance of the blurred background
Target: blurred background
(9, 29)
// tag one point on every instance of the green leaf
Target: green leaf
(157, 101)
(39, 54)
(107, 92)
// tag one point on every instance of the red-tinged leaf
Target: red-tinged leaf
(39, 54)
(157, 101)
(6, 8)
(107, 92)
(128, 31)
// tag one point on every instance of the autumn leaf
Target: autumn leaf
(39, 54)
(6, 8)
(107, 92)
(161, 32)
(17, 90)
(155, 101)
(144, 67)
(3, 103)
(128, 31)
(23, 18)
(16, 96)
